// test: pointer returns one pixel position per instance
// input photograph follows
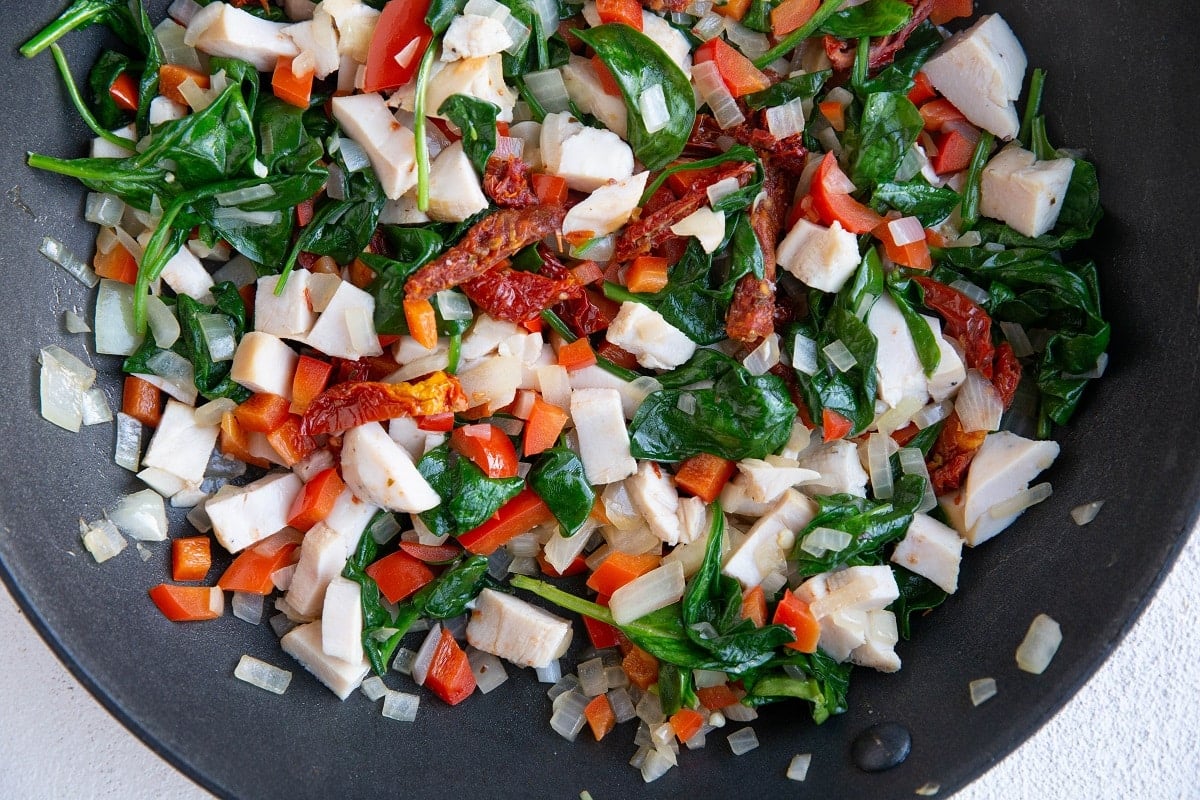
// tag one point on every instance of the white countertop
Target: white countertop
(1131, 732)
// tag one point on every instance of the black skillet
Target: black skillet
(1123, 84)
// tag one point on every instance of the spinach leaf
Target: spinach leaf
(917, 593)
(889, 126)
(441, 12)
(138, 186)
(476, 119)
(116, 14)
(206, 146)
(468, 496)
(916, 198)
(741, 416)
(758, 15)
(448, 594)
(103, 75)
(245, 75)
(376, 618)
(698, 292)
(973, 186)
(559, 480)
(637, 64)
(153, 58)
(922, 43)
(413, 248)
(788, 89)
(706, 365)
(789, 43)
(212, 377)
(825, 683)
(873, 524)
(872, 18)
(1076, 221)
(922, 335)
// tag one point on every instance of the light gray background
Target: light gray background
(1132, 732)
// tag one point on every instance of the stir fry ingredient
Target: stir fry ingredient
(720, 327)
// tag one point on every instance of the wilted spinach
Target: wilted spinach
(468, 496)
(558, 479)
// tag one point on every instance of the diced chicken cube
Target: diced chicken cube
(597, 378)
(766, 546)
(764, 482)
(484, 337)
(652, 492)
(342, 620)
(931, 550)
(403, 211)
(283, 315)
(656, 343)
(180, 445)
(349, 518)
(823, 258)
(264, 363)
(322, 558)
(706, 225)
(220, 29)
(877, 651)
(586, 158)
(518, 631)
(304, 643)
(1023, 192)
(491, 381)
(186, 275)
(897, 364)
(981, 70)
(473, 36)
(735, 499)
(317, 41)
(841, 602)
(355, 22)
(1003, 467)
(603, 438)
(482, 78)
(404, 432)
(247, 514)
(586, 91)
(455, 192)
(382, 472)
(950, 372)
(693, 519)
(332, 334)
(841, 471)
(389, 145)
(607, 209)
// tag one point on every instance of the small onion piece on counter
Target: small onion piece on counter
(95, 407)
(424, 657)
(1039, 646)
(76, 267)
(102, 539)
(927, 789)
(263, 675)
(248, 607)
(982, 690)
(488, 670)
(63, 382)
(568, 718)
(373, 688)
(103, 209)
(75, 323)
(742, 741)
(401, 706)
(141, 515)
(978, 404)
(1083, 514)
(798, 767)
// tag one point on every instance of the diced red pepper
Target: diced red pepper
(311, 378)
(833, 204)
(316, 500)
(124, 92)
(739, 74)
(834, 425)
(450, 676)
(188, 603)
(627, 12)
(191, 558)
(523, 513)
(399, 575)
(601, 634)
(399, 32)
(793, 614)
(488, 447)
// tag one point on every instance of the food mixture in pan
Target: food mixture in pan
(718, 329)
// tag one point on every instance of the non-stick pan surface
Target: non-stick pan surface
(1123, 84)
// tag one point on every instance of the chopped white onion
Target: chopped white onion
(1016, 336)
(742, 741)
(454, 306)
(353, 155)
(656, 589)
(128, 451)
(424, 656)
(548, 88)
(721, 189)
(763, 358)
(182, 11)
(116, 333)
(592, 681)
(653, 105)
(281, 578)
(932, 414)
(406, 54)
(1087, 512)
(141, 515)
(798, 767)
(263, 675)
(906, 230)
(403, 662)
(248, 607)
(786, 120)
(825, 540)
(57, 252)
(736, 712)
(973, 292)
(199, 99)
(178, 376)
(246, 195)
(1021, 500)
(211, 412)
(715, 93)
(373, 688)
(75, 323)
(104, 209)
(63, 382)
(552, 673)
(489, 671)
(686, 403)
(253, 218)
(600, 249)
(709, 26)
(175, 50)
(829, 140)
(804, 355)
(912, 462)
(839, 355)
(978, 404)
(218, 333)
(982, 690)
(639, 389)
(968, 239)
(401, 706)
(898, 416)
(752, 43)
(102, 539)
(1039, 646)
(879, 466)
(927, 789)
(568, 717)
(517, 31)
(547, 13)
(164, 327)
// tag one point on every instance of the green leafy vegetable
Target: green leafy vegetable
(476, 119)
(1077, 220)
(917, 594)
(734, 201)
(82, 14)
(413, 248)
(922, 335)
(922, 43)
(972, 187)
(468, 496)
(448, 594)
(889, 126)
(559, 480)
(788, 89)
(104, 74)
(916, 198)
(789, 43)
(637, 64)
(376, 618)
(872, 18)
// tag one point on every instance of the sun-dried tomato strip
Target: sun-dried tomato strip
(751, 314)
(1006, 373)
(506, 181)
(841, 53)
(517, 296)
(642, 236)
(965, 320)
(489, 241)
(348, 405)
(951, 455)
